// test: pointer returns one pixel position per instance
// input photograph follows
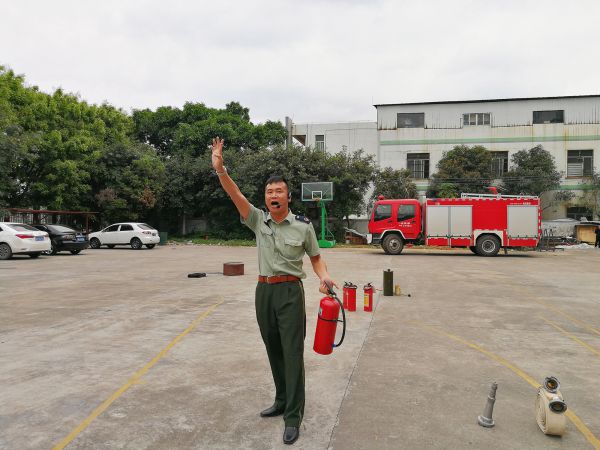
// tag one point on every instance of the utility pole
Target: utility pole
(288, 127)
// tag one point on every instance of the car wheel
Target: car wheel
(473, 249)
(150, 245)
(53, 249)
(95, 243)
(111, 245)
(393, 244)
(34, 255)
(488, 245)
(136, 244)
(75, 252)
(5, 252)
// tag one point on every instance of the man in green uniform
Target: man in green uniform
(282, 239)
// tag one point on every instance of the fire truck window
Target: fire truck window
(383, 212)
(406, 212)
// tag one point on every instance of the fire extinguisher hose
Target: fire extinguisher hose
(334, 295)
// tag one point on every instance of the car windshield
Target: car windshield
(61, 229)
(21, 227)
(145, 226)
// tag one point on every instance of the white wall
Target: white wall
(351, 136)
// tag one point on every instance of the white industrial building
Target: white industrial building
(416, 135)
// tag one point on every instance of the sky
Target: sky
(311, 60)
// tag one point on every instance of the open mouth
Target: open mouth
(275, 204)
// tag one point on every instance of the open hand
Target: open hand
(217, 154)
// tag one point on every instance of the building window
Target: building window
(577, 212)
(320, 142)
(580, 163)
(411, 120)
(499, 164)
(476, 119)
(418, 164)
(557, 116)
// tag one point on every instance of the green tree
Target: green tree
(190, 130)
(182, 138)
(58, 151)
(393, 184)
(352, 175)
(532, 172)
(591, 195)
(462, 169)
(128, 179)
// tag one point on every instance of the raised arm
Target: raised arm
(241, 203)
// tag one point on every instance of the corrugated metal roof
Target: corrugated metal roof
(489, 100)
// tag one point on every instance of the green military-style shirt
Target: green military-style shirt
(281, 246)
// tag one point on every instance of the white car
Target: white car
(21, 239)
(126, 233)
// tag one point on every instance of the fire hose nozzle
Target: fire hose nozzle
(551, 384)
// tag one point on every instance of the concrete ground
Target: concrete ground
(119, 349)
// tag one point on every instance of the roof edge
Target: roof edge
(488, 100)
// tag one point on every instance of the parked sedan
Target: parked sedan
(64, 238)
(127, 233)
(18, 238)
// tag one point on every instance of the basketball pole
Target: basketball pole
(323, 242)
(314, 191)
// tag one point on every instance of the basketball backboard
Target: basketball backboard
(319, 191)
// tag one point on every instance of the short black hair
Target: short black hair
(277, 179)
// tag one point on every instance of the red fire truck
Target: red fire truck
(482, 222)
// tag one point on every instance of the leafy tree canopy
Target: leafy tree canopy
(393, 184)
(532, 172)
(462, 169)
(191, 129)
(56, 150)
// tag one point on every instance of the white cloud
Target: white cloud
(313, 60)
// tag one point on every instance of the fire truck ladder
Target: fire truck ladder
(495, 196)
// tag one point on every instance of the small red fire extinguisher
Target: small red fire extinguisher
(368, 293)
(329, 311)
(349, 296)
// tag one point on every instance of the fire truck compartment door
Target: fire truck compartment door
(437, 221)
(522, 221)
(461, 224)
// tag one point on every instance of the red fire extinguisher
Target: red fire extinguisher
(349, 296)
(368, 293)
(329, 311)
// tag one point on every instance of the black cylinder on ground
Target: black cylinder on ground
(388, 282)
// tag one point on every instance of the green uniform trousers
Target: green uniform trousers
(282, 321)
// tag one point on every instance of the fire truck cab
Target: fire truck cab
(484, 223)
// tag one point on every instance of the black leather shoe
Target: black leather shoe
(272, 412)
(290, 435)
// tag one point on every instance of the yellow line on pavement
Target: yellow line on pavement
(576, 321)
(569, 335)
(135, 379)
(591, 438)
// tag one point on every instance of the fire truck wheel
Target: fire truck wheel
(393, 244)
(473, 249)
(488, 245)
